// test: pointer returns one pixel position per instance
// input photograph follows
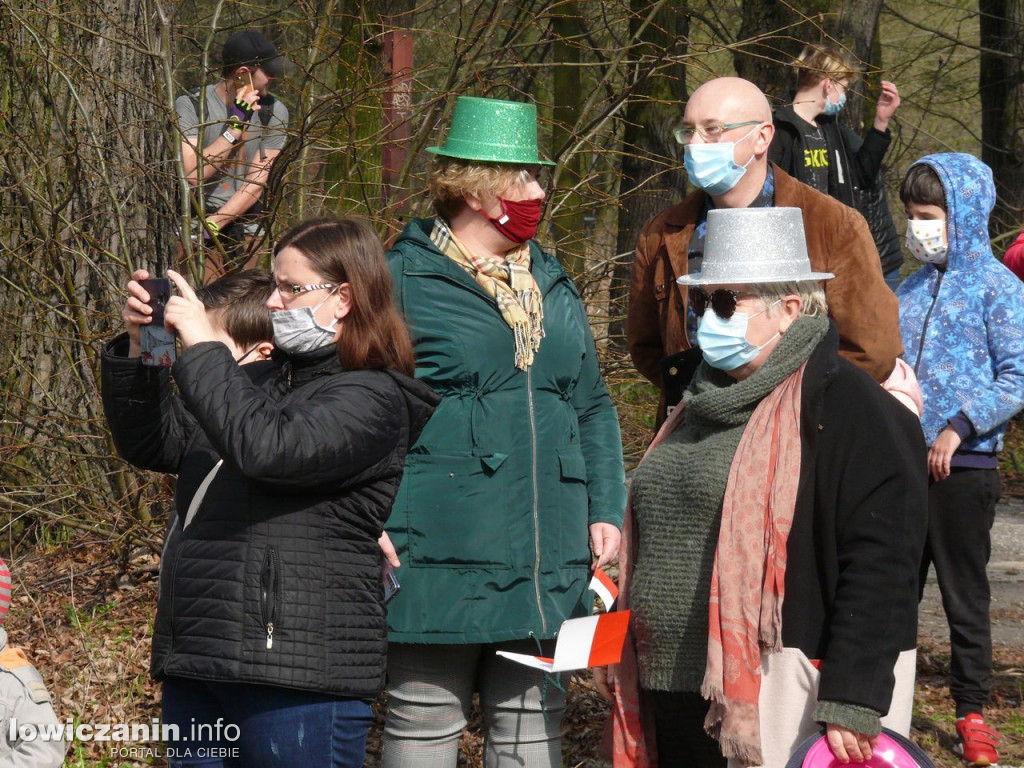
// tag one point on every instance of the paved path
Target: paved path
(1006, 576)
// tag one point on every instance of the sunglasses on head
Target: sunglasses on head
(722, 301)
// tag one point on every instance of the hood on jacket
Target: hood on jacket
(970, 198)
(419, 398)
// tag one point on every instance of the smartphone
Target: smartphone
(391, 585)
(157, 342)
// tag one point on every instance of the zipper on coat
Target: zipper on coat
(927, 317)
(269, 588)
(536, 499)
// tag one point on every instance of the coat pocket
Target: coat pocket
(574, 508)
(270, 592)
(455, 510)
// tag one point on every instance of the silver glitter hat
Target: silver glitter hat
(754, 245)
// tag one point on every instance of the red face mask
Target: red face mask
(519, 219)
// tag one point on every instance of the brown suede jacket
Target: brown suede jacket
(838, 241)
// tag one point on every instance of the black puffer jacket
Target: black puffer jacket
(277, 578)
(854, 173)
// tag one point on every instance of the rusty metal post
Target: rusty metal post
(398, 56)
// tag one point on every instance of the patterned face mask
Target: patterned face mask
(924, 240)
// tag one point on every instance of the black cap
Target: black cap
(249, 48)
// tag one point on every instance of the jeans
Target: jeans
(231, 725)
(430, 689)
(961, 511)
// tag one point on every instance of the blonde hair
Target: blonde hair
(451, 179)
(817, 62)
(810, 292)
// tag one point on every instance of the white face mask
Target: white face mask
(924, 240)
(296, 330)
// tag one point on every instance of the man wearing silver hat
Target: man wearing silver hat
(727, 129)
(786, 472)
(231, 133)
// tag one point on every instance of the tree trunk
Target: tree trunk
(857, 28)
(1001, 82)
(770, 38)
(652, 176)
(567, 224)
(86, 195)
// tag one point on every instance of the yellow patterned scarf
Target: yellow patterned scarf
(510, 283)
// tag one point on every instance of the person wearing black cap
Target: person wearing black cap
(229, 139)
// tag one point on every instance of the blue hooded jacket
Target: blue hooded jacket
(963, 328)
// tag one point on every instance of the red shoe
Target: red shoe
(976, 740)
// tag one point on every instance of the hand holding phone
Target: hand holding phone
(156, 341)
(391, 585)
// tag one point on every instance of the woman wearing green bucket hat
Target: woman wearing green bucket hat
(515, 490)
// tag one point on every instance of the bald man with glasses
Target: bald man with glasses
(726, 131)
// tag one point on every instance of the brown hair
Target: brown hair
(923, 186)
(451, 179)
(817, 62)
(347, 250)
(238, 302)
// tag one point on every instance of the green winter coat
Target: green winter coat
(491, 521)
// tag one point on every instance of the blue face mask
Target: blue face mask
(711, 167)
(724, 342)
(834, 109)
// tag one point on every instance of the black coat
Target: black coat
(854, 173)
(277, 579)
(858, 531)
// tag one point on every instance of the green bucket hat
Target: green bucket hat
(492, 131)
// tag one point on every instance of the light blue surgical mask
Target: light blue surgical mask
(296, 330)
(724, 342)
(711, 167)
(834, 109)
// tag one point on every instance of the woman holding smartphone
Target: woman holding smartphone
(270, 620)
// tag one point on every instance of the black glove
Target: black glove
(240, 111)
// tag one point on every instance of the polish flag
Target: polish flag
(592, 641)
(605, 588)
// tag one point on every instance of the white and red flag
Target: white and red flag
(605, 588)
(592, 641)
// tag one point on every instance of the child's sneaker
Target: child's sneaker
(976, 740)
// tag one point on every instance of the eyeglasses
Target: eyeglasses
(709, 133)
(722, 301)
(289, 290)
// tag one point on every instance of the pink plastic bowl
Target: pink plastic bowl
(893, 751)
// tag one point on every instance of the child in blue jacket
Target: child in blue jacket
(962, 319)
